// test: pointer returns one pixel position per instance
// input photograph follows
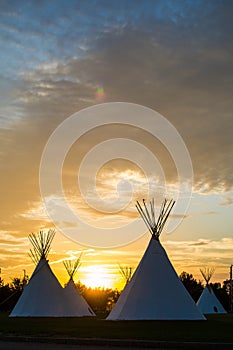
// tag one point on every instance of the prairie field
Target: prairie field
(217, 328)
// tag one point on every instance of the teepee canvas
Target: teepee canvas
(78, 304)
(208, 303)
(155, 292)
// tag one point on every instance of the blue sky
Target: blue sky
(172, 56)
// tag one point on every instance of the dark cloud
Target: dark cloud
(199, 243)
(190, 84)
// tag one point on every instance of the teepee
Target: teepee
(155, 292)
(79, 305)
(208, 303)
(43, 296)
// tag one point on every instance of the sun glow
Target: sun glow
(97, 276)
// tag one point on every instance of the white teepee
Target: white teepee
(43, 296)
(208, 303)
(79, 306)
(155, 292)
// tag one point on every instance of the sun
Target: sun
(97, 276)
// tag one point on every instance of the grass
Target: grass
(218, 328)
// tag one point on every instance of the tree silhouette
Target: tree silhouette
(193, 286)
(10, 293)
(101, 300)
(222, 293)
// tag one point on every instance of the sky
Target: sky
(60, 57)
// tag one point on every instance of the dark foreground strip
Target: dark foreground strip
(122, 343)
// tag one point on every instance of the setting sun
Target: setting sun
(97, 276)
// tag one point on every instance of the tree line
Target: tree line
(102, 300)
(10, 292)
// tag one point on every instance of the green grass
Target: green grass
(218, 328)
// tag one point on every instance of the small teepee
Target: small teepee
(208, 303)
(155, 292)
(43, 296)
(78, 304)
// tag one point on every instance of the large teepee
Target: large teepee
(43, 296)
(155, 292)
(208, 303)
(79, 305)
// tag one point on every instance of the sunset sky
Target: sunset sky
(59, 57)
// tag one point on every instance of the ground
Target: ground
(217, 329)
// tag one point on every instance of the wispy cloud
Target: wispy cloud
(199, 243)
(227, 199)
(193, 255)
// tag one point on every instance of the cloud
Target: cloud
(189, 84)
(199, 243)
(210, 213)
(227, 200)
(188, 255)
(10, 240)
(179, 216)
